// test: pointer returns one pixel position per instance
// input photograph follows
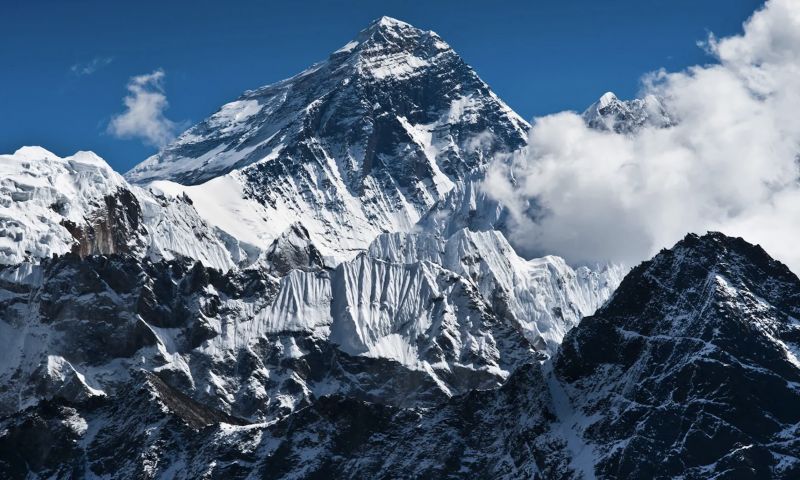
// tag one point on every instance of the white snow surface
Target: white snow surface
(40, 192)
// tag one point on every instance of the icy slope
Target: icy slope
(357, 145)
(40, 194)
(544, 297)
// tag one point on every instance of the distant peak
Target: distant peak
(606, 99)
(594, 110)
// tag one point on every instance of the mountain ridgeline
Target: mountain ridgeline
(689, 371)
(312, 283)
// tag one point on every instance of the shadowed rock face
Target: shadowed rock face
(688, 372)
(691, 370)
(294, 250)
(481, 433)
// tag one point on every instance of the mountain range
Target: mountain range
(314, 283)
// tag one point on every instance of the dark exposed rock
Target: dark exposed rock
(293, 250)
(692, 369)
(195, 414)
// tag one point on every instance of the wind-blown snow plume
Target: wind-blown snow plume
(144, 114)
(730, 163)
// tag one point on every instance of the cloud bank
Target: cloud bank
(731, 163)
(144, 112)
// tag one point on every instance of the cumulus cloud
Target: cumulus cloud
(730, 164)
(144, 112)
(89, 68)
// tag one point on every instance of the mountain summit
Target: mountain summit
(391, 85)
(359, 144)
(273, 255)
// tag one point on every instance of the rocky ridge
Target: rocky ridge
(688, 372)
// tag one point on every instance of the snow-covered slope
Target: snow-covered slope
(51, 206)
(41, 194)
(357, 145)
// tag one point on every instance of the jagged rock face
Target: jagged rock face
(116, 226)
(100, 436)
(293, 250)
(476, 435)
(74, 327)
(629, 116)
(688, 372)
(359, 144)
(691, 371)
(403, 332)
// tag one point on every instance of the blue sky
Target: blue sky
(65, 65)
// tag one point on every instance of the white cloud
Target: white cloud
(91, 67)
(731, 164)
(144, 112)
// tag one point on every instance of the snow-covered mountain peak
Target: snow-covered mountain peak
(604, 102)
(35, 153)
(258, 124)
(387, 22)
(379, 33)
(606, 99)
(611, 114)
(387, 27)
(42, 195)
(362, 143)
